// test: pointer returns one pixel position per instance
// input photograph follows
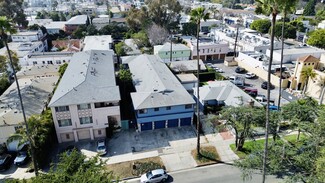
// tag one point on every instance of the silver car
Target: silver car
(101, 147)
(158, 175)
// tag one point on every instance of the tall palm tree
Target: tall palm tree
(321, 84)
(197, 15)
(268, 7)
(287, 7)
(6, 26)
(306, 74)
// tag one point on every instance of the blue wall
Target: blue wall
(175, 112)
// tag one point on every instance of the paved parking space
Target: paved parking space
(254, 83)
(15, 173)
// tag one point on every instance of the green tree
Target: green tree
(189, 29)
(320, 164)
(298, 25)
(121, 49)
(320, 15)
(55, 16)
(13, 9)
(309, 9)
(321, 84)
(138, 19)
(91, 30)
(81, 32)
(317, 38)
(75, 167)
(197, 15)
(242, 119)
(289, 31)
(141, 39)
(33, 27)
(62, 17)
(300, 113)
(4, 84)
(261, 25)
(306, 74)
(165, 13)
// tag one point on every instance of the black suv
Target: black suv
(5, 162)
(239, 70)
(264, 85)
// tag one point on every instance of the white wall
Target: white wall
(56, 60)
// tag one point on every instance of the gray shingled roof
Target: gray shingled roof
(89, 78)
(155, 84)
(77, 20)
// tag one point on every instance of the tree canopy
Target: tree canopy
(13, 9)
(289, 31)
(317, 38)
(261, 25)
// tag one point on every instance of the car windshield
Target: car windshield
(149, 175)
(101, 148)
(22, 154)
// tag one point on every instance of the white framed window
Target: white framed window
(86, 120)
(83, 106)
(61, 108)
(64, 122)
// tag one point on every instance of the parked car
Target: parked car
(158, 175)
(260, 98)
(5, 162)
(101, 147)
(239, 70)
(251, 91)
(264, 85)
(21, 158)
(208, 64)
(250, 75)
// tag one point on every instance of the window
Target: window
(58, 62)
(99, 132)
(166, 53)
(83, 106)
(105, 104)
(61, 108)
(43, 62)
(188, 106)
(64, 122)
(17, 128)
(156, 109)
(67, 136)
(203, 50)
(86, 120)
(142, 111)
(168, 108)
(63, 61)
(34, 63)
(181, 52)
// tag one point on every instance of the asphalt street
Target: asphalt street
(213, 174)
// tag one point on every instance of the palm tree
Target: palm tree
(268, 7)
(306, 74)
(321, 84)
(6, 26)
(197, 15)
(287, 7)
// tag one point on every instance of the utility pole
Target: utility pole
(236, 42)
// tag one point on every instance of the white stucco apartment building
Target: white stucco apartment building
(86, 101)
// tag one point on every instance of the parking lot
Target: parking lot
(254, 83)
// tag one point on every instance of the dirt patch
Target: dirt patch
(226, 135)
(136, 167)
(209, 155)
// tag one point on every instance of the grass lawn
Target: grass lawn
(209, 155)
(249, 146)
(125, 169)
(293, 138)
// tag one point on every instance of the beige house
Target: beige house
(296, 81)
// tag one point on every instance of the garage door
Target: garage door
(83, 134)
(186, 121)
(146, 126)
(160, 124)
(172, 123)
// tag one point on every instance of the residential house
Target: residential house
(189, 81)
(297, 81)
(292, 54)
(28, 36)
(160, 100)
(86, 101)
(209, 50)
(220, 93)
(36, 85)
(104, 42)
(74, 22)
(55, 27)
(100, 22)
(179, 52)
(48, 58)
(71, 45)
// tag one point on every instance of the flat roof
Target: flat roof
(186, 65)
(35, 93)
(184, 78)
(97, 42)
(302, 50)
(77, 20)
(50, 54)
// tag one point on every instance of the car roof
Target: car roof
(158, 171)
(101, 143)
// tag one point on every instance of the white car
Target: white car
(250, 75)
(101, 147)
(158, 175)
(218, 70)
